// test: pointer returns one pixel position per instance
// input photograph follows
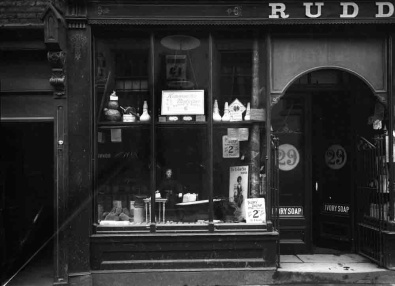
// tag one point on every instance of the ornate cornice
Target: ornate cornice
(76, 23)
(235, 22)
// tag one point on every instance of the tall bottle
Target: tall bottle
(226, 116)
(248, 112)
(216, 115)
(145, 116)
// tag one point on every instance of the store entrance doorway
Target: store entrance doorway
(339, 115)
(27, 199)
(333, 138)
(318, 122)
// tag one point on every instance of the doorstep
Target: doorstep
(331, 268)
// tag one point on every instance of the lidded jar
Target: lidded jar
(113, 102)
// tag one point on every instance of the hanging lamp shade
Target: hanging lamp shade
(180, 42)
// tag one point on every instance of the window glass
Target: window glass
(181, 85)
(151, 95)
(288, 126)
(238, 138)
(122, 138)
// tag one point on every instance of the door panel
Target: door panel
(288, 123)
(332, 141)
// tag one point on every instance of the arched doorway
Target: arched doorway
(318, 121)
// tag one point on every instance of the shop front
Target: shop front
(208, 137)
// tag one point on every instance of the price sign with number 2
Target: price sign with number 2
(256, 211)
(288, 157)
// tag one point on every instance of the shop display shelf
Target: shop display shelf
(182, 124)
(236, 124)
(113, 125)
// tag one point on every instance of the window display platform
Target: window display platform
(175, 250)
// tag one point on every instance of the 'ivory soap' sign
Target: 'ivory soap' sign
(182, 102)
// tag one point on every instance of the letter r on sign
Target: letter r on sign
(278, 8)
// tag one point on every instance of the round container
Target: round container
(129, 118)
(138, 215)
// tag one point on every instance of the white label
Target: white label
(288, 157)
(256, 211)
(230, 147)
(116, 135)
(182, 102)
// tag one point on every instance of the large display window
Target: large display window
(179, 130)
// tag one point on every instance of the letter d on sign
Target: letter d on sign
(278, 8)
(380, 9)
(345, 10)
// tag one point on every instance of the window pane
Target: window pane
(123, 139)
(182, 175)
(182, 77)
(288, 126)
(238, 141)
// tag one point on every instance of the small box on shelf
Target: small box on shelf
(182, 118)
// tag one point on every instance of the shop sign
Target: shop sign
(290, 211)
(182, 102)
(258, 11)
(345, 10)
(339, 209)
(288, 157)
(335, 157)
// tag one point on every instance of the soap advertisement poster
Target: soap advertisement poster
(238, 187)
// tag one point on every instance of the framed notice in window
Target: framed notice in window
(182, 102)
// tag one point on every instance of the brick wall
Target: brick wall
(22, 12)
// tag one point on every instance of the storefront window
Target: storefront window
(288, 125)
(238, 139)
(153, 95)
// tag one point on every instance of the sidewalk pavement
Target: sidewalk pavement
(331, 268)
(301, 270)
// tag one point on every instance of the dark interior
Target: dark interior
(27, 183)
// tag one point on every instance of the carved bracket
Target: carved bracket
(58, 79)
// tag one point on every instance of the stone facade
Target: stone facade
(24, 12)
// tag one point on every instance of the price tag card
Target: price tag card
(116, 135)
(243, 134)
(230, 147)
(256, 210)
(233, 133)
(257, 114)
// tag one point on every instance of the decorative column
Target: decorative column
(255, 141)
(79, 119)
(55, 41)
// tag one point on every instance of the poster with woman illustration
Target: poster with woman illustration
(238, 188)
